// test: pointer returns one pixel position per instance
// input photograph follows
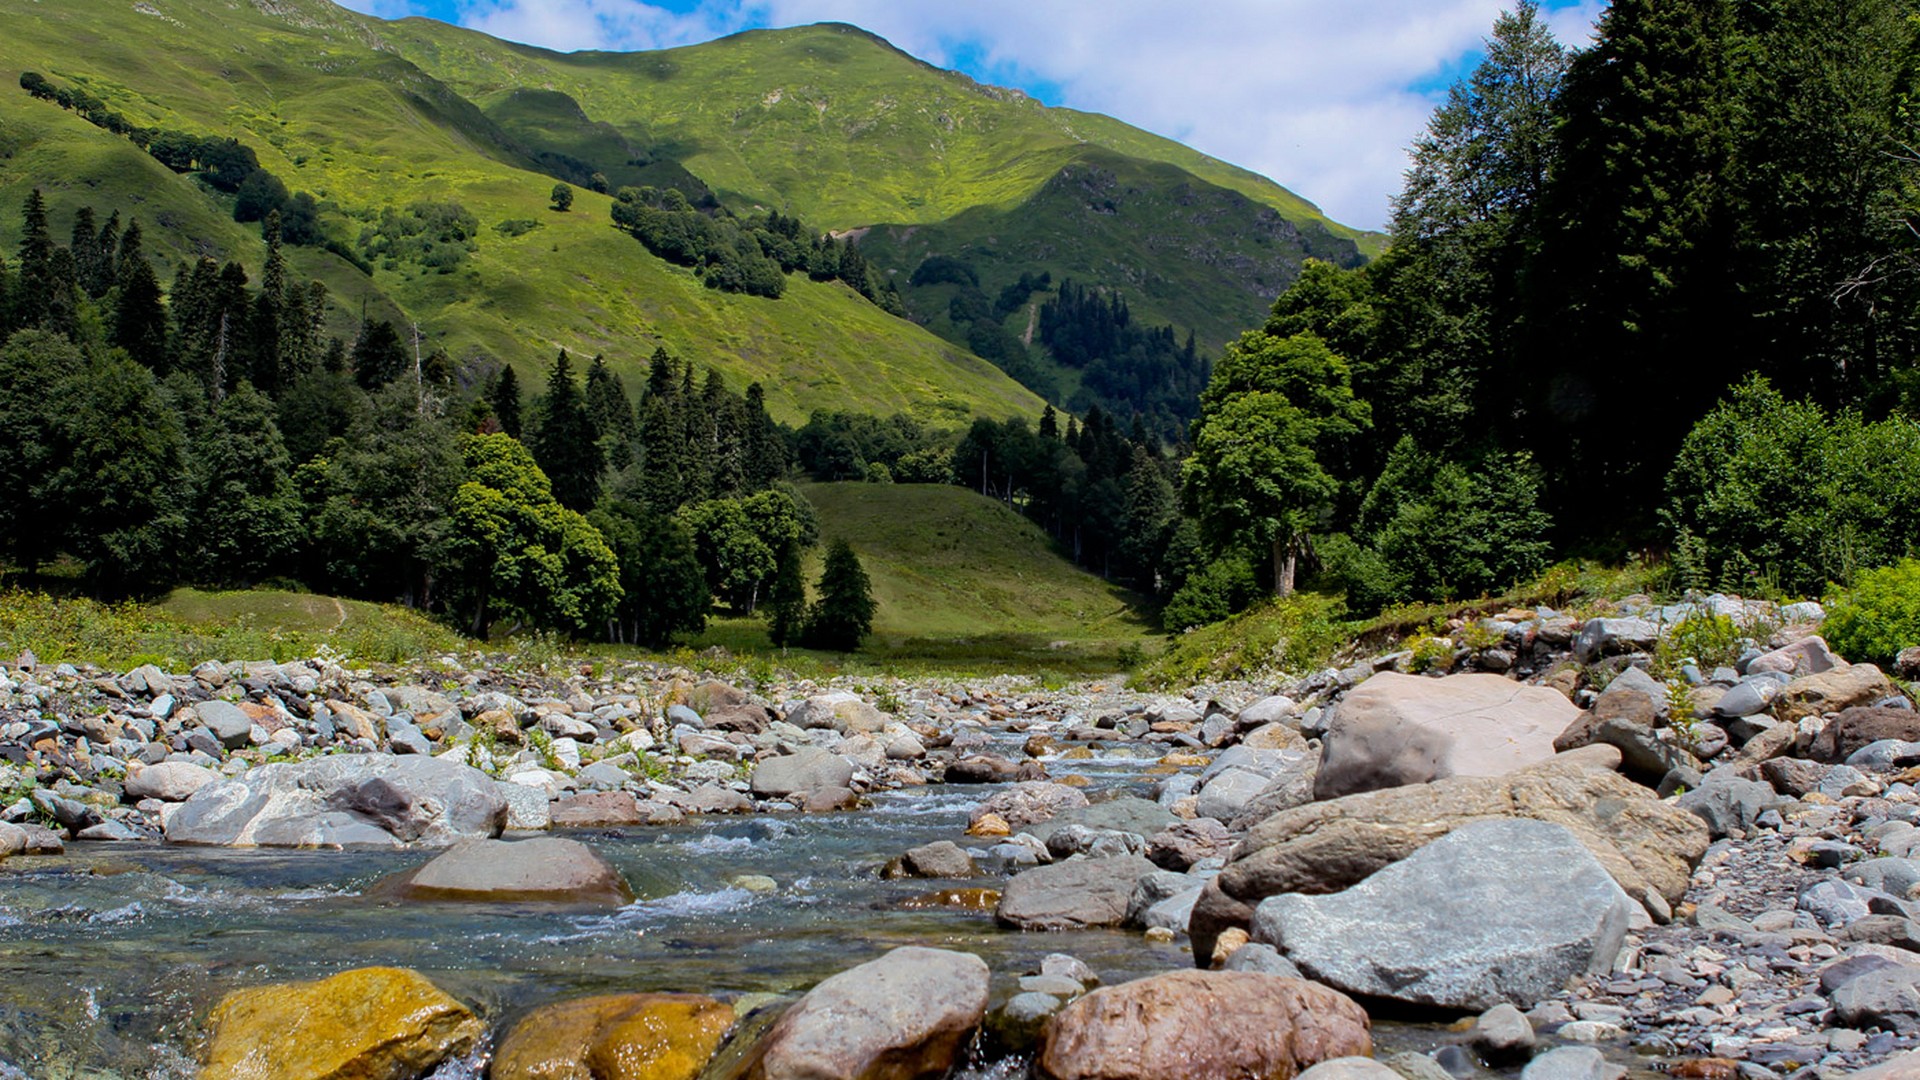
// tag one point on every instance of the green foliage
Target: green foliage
(1710, 641)
(562, 197)
(786, 598)
(1217, 590)
(1290, 635)
(247, 509)
(664, 592)
(1766, 486)
(843, 614)
(1878, 616)
(434, 235)
(512, 548)
(564, 440)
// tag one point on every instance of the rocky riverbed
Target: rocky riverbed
(1512, 849)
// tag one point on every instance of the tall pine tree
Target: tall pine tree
(564, 442)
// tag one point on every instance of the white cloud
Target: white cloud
(1317, 95)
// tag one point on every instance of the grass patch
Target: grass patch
(189, 627)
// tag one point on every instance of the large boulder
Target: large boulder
(1860, 726)
(364, 1024)
(168, 781)
(1650, 847)
(1029, 803)
(1072, 895)
(1832, 691)
(543, 870)
(615, 1037)
(847, 713)
(1399, 729)
(349, 800)
(1495, 911)
(1128, 813)
(1197, 1025)
(811, 769)
(901, 1017)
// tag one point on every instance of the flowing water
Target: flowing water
(111, 956)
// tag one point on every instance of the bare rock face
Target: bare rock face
(1399, 729)
(1646, 845)
(904, 1016)
(1175, 1027)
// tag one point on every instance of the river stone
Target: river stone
(1194, 1025)
(1856, 728)
(940, 859)
(1142, 817)
(1029, 803)
(227, 723)
(903, 1016)
(168, 781)
(844, 712)
(1493, 911)
(1808, 656)
(349, 800)
(1072, 895)
(1183, 843)
(811, 769)
(1727, 802)
(1899, 1067)
(615, 1037)
(528, 808)
(1397, 729)
(1832, 691)
(1349, 1068)
(365, 1024)
(1748, 697)
(1646, 845)
(1606, 637)
(1887, 996)
(1572, 1063)
(546, 869)
(13, 839)
(595, 810)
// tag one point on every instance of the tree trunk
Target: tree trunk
(1286, 553)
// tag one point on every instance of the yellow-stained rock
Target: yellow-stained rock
(615, 1037)
(963, 899)
(1190, 761)
(365, 1024)
(990, 825)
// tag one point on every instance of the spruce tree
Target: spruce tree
(31, 295)
(564, 442)
(269, 313)
(763, 449)
(379, 357)
(139, 318)
(88, 261)
(108, 243)
(504, 396)
(786, 604)
(612, 414)
(844, 613)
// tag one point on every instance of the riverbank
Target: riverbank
(776, 832)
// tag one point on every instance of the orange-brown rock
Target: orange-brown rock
(963, 899)
(1171, 1027)
(364, 1024)
(615, 1037)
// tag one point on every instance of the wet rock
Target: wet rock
(1168, 1027)
(1142, 817)
(547, 870)
(1503, 1034)
(1071, 840)
(940, 859)
(1072, 895)
(359, 800)
(1399, 729)
(1017, 1025)
(711, 799)
(1350, 1068)
(1494, 911)
(811, 769)
(900, 1017)
(1180, 845)
(1028, 803)
(615, 1037)
(991, 769)
(377, 1023)
(1645, 844)
(1262, 958)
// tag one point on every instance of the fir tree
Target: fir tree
(88, 261)
(564, 441)
(844, 613)
(139, 318)
(786, 598)
(32, 296)
(504, 396)
(612, 414)
(379, 357)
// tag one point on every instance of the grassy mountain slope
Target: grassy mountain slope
(949, 563)
(834, 124)
(308, 87)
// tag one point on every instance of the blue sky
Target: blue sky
(1322, 96)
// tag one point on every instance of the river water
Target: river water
(111, 956)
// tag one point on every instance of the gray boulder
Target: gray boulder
(1349, 1068)
(350, 800)
(1607, 637)
(1142, 817)
(1261, 957)
(1727, 802)
(1884, 996)
(1399, 729)
(1749, 697)
(905, 1014)
(227, 723)
(1572, 1063)
(1499, 910)
(940, 859)
(546, 869)
(812, 769)
(169, 781)
(1072, 895)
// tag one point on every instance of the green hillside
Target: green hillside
(363, 129)
(950, 565)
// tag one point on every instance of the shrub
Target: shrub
(1879, 616)
(1215, 591)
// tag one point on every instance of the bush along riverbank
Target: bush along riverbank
(1683, 836)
